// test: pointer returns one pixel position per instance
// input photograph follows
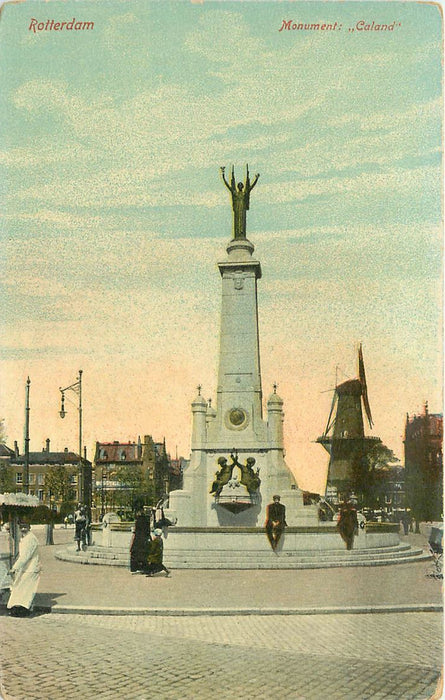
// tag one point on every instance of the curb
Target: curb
(220, 612)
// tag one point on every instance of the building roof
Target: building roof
(160, 449)
(431, 423)
(115, 451)
(6, 451)
(49, 458)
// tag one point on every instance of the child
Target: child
(155, 555)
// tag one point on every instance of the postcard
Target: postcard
(221, 241)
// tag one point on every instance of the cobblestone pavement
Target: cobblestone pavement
(344, 657)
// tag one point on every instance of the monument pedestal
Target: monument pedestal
(305, 547)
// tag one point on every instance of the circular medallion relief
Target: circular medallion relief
(236, 418)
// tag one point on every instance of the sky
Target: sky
(114, 215)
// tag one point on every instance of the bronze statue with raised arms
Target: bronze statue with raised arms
(240, 200)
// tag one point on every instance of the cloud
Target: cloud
(103, 143)
(274, 102)
(403, 181)
(44, 153)
(100, 183)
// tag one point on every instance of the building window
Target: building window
(18, 478)
(32, 478)
(40, 479)
(40, 494)
(32, 492)
(123, 456)
(103, 454)
(72, 479)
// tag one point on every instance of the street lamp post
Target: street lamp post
(50, 524)
(26, 462)
(103, 492)
(77, 388)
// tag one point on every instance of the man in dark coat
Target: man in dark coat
(347, 523)
(275, 521)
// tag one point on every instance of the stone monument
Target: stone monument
(237, 459)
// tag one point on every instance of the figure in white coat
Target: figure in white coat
(25, 573)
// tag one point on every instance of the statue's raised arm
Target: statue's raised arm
(249, 187)
(222, 171)
(255, 181)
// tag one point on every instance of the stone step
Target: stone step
(254, 559)
(297, 556)
(124, 551)
(121, 552)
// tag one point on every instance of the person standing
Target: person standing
(140, 542)
(406, 522)
(156, 554)
(275, 521)
(347, 523)
(88, 537)
(80, 523)
(25, 573)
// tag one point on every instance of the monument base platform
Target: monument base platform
(248, 548)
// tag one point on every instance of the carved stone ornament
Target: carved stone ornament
(236, 418)
(238, 280)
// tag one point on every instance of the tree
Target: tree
(372, 474)
(58, 481)
(7, 484)
(134, 489)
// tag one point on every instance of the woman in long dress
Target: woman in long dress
(25, 573)
(140, 542)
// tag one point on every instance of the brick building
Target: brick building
(129, 471)
(424, 465)
(43, 463)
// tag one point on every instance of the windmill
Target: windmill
(344, 436)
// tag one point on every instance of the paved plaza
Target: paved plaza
(58, 657)
(172, 643)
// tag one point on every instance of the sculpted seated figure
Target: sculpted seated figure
(221, 477)
(250, 479)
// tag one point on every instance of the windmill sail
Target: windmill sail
(331, 418)
(362, 377)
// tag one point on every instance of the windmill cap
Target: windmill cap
(353, 387)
